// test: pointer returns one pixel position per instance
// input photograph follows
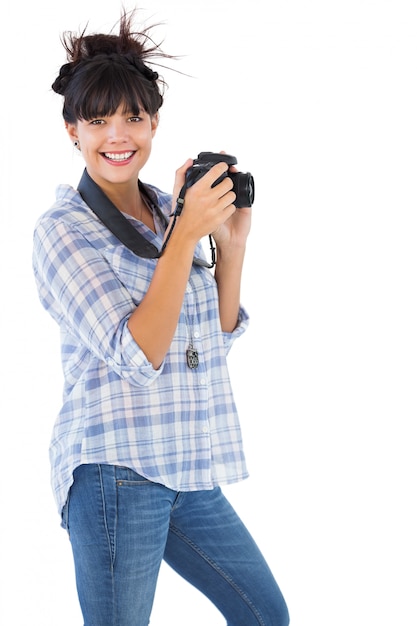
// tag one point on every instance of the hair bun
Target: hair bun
(146, 71)
(60, 84)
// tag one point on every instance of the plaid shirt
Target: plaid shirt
(175, 425)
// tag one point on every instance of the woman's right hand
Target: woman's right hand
(205, 207)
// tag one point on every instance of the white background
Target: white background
(317, 99)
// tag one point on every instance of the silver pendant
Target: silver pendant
(192, 358)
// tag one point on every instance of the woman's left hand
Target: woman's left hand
(234, 232)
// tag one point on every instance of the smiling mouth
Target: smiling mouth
(119, 156)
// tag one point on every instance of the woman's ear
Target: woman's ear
(154, 123)
(72, 131)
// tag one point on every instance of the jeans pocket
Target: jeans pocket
(127, 476)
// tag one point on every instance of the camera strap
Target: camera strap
(114, 219)
(120, 226)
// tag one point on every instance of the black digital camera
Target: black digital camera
(243, 184)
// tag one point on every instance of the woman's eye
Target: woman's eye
(96, 122)
(135, 118)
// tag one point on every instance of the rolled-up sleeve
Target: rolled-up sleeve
(241, 326)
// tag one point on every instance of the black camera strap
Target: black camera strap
(120, 226)
(114, 219)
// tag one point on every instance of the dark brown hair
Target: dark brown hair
(105, 71)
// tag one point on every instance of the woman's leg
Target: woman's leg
(118, 524)
(209, 546)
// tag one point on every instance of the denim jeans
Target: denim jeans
(121, 526)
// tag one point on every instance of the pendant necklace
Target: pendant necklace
(191, 353)
(192, 356)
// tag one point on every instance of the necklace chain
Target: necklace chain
(191, 353)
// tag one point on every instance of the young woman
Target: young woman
(148, 429)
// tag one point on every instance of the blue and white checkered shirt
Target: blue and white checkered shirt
(175, 425)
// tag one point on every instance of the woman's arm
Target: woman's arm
(206, 208)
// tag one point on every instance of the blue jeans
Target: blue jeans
(121, 526)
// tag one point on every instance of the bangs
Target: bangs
(102, 91)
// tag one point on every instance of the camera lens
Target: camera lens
(244, 188)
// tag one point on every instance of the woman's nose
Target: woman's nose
(117, 131)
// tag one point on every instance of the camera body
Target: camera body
(243, 183)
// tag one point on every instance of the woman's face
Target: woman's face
(115, 148)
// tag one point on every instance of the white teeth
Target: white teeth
(118, 157)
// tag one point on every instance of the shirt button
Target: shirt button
(189, 289)
(196, 334)
(205, 429)
(202, 381)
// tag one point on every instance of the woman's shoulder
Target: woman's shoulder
(70, 214)
(68, 206)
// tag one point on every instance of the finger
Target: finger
(216, 172)
(232, 168)
(180, 178)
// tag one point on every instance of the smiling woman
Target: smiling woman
(148, 430)
(111, 100)
(115, 148)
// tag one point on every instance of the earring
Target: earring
(77, 144)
